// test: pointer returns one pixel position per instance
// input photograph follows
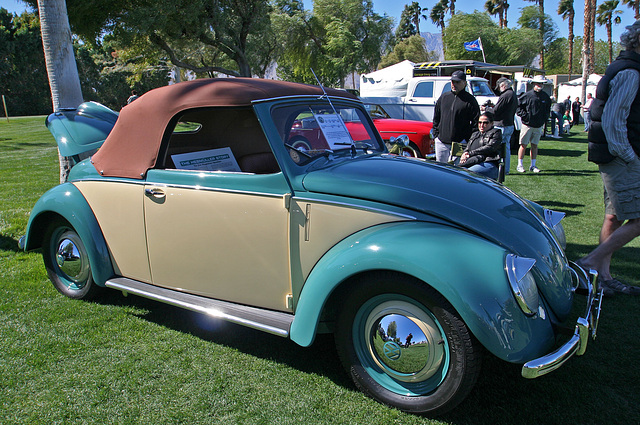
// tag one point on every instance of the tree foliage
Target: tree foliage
(501, 45)
(413, 48)
(23, 74)
(338, 37)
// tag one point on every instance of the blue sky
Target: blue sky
(394, 8)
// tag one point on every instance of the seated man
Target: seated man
(483, 151)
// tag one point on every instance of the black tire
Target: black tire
(67, 262)
(412, 151)
(430, 372)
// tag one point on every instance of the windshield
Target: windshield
(481, 88)
(310, 131)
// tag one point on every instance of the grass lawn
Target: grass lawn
(128, 360)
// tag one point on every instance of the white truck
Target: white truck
(414, 98)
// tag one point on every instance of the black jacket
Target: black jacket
(455, 116)
(598, 148)
(484, 147)
(505, 108)
(534, 108)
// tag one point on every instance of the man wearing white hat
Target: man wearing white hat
(533, 109)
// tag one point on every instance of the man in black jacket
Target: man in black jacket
(455, 116)
(533, 108)
(504, 112)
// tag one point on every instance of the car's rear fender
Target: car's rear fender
(67, 202)
(467, 270)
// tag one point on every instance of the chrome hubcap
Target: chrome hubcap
(72, 259)
(405, 341)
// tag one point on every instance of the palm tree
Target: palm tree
(587, 57)
(635, 5)
(452, 7)
(496, 8)
(540, 4)
(416, 13)
(60, 61)
(606, 16)
(438, 12)
(565, 9)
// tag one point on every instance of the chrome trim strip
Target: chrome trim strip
(184, 186)
(577, 345)
(358, 207)
(273, 322)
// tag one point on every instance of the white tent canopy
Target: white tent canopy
(573, 88)
(392, 80)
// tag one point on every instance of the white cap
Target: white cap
(539, 79)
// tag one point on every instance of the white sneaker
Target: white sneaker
(520, 169)
(534, 169)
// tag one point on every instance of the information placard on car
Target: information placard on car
(221, 159)
(334, 130)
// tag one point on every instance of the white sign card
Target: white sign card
(221, 159)
(334, 130)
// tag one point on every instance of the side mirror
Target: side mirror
(402, 139)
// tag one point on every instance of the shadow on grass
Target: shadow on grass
(501, 395)
(568, 209)
(8, 244)
(21, 146)
(567, 153)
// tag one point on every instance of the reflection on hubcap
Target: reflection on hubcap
(405, 341)
(71, 259)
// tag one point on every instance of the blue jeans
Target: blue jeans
(587, 120)
(507, 132)
(487, 169)
(557, 119)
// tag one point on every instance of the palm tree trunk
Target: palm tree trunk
(61, 63)
(592, 39)
(586, 53)
(610, 42)
(571, 18)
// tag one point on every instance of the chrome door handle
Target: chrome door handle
(156, 193)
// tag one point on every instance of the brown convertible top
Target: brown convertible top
(132, 146)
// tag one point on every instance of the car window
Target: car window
(376, 111)
(218, 139)
(312, 130)
(446, 88)
(481, 88)
(424, 89)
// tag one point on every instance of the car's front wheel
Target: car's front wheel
(67, 262)
(404, 345)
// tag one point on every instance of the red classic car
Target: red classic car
(306, 134)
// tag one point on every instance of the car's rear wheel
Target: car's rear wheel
(67, 262)
(404, 345)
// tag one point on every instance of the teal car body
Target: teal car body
(399, 257)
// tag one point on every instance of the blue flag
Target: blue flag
(473, 46)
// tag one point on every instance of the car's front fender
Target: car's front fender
(467, 270)
(67, 202)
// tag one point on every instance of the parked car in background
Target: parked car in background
(201, 198)
(306, 133)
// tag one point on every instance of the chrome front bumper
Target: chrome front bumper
(586, 325)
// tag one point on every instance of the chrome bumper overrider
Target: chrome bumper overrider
(586, 325)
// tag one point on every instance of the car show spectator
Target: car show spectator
(614, 144)
(483, 151)
(533, 109)
(557, 118)
(586, 110)
(455, 116)
(576, 107)
(504, 114)
(567, 104)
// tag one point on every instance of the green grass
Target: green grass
(133, 361)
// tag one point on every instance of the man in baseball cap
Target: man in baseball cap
(455, 116)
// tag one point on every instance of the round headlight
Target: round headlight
(523, 283)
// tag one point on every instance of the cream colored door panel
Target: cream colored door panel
(317, 226)
(223, 245)
(119, 211)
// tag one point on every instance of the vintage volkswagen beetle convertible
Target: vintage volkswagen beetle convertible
(197, 198)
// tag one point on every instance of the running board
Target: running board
(273, 322)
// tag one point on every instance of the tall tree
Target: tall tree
(547, 31)
(635, 5)
(336, 39)
(498, 8)
(586, 49)
(541, 26)
(438, 13)
(565, 9)
(606, 15)
(61, 63)
(416, 13)
(413, 48)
